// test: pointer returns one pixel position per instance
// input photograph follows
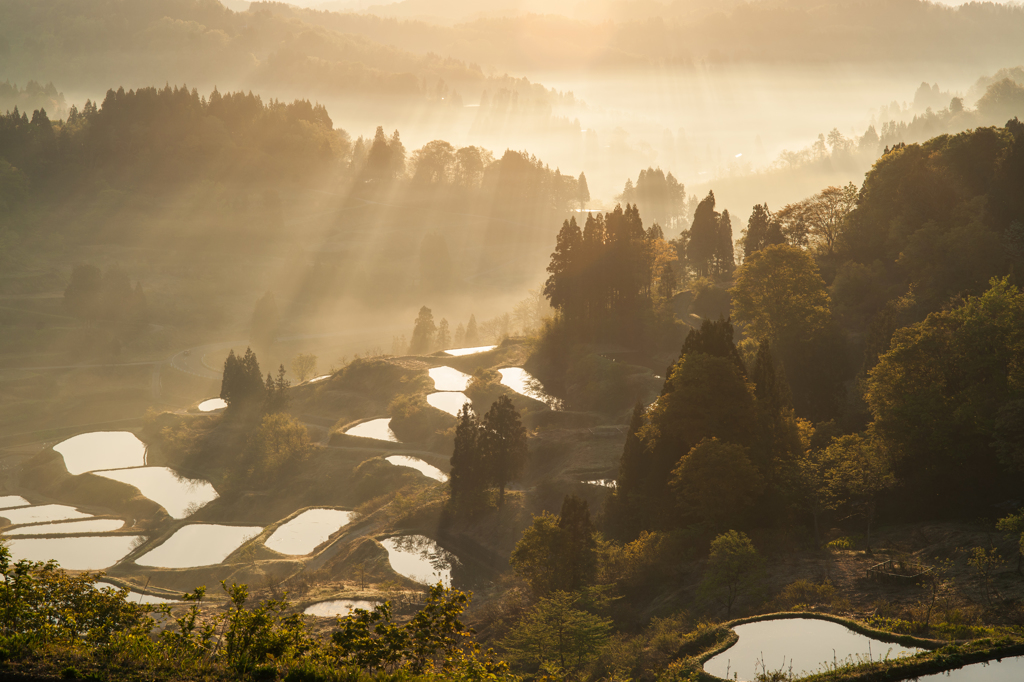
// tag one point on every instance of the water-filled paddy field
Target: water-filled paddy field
(805, 645)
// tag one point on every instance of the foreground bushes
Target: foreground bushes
(54, 623)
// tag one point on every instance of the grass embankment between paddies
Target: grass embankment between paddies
(939, 655)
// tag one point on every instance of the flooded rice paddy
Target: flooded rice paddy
(41, 513)
(85, 553)
(212, 405)
(180, 496)
(458, 352)
(8, 501)
(428, 470)
(991, 671)
(523, 383)
(804, 644)
(603, 482)
(137, 597)
(420, 559)
(338, 607)
(449, 379)
(68, 527)
(320, 378)
(200, 544)
(378, 429)
(102, 450)
(448, 401)
(305, 532)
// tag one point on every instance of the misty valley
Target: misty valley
(585, 340)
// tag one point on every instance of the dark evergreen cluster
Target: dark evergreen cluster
(487, 453)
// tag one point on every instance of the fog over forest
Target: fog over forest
(568, 340)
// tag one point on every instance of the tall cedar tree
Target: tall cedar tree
(702, 244)
(562, 287)
(706, 395)
(762, 231)
(444, 336)
(578, 547)
(423, 333)
(582, 191)
(505, 444)
(779, 444)
(472, 335)
(628, 499)
(468, 479)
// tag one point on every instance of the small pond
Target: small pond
(603, 482)
(990, 671)
(102, 450)
(338, 607)
(41, 513)
(448, 401)
(301, 535)
(458, 352)
(428, 470)
(85, 553)
(805, 644)
(449, 379)
(181, 497)
(8, 501)
(523, 383)
(421, 559)
(378, 429)
(137, 597)
(200, 544)
(212, 405)
(67, 527)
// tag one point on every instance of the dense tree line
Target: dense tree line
(173, 134)
(605, 278)
(658, 195)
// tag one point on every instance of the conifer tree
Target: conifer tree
(632, 480)
(444, 336)
(703, 239)
(725, 260)
(460, 336)
(472, 335)
(504, 444)
(779, 445)
(468, 478)
(579, 548)
(582, 191)
(423, 333)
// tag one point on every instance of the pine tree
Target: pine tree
(230, 383)
(468, 478)
(725, 260)
(253, 390)
(667, 281)
(780, 442)
(762, 231)
(582, 191)
(504, 444)
(702, 243)
(460, 336)
(632, 480)
(423, 333)
(563, 287)
(472, 339)
(444, 337)
(578, 565)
